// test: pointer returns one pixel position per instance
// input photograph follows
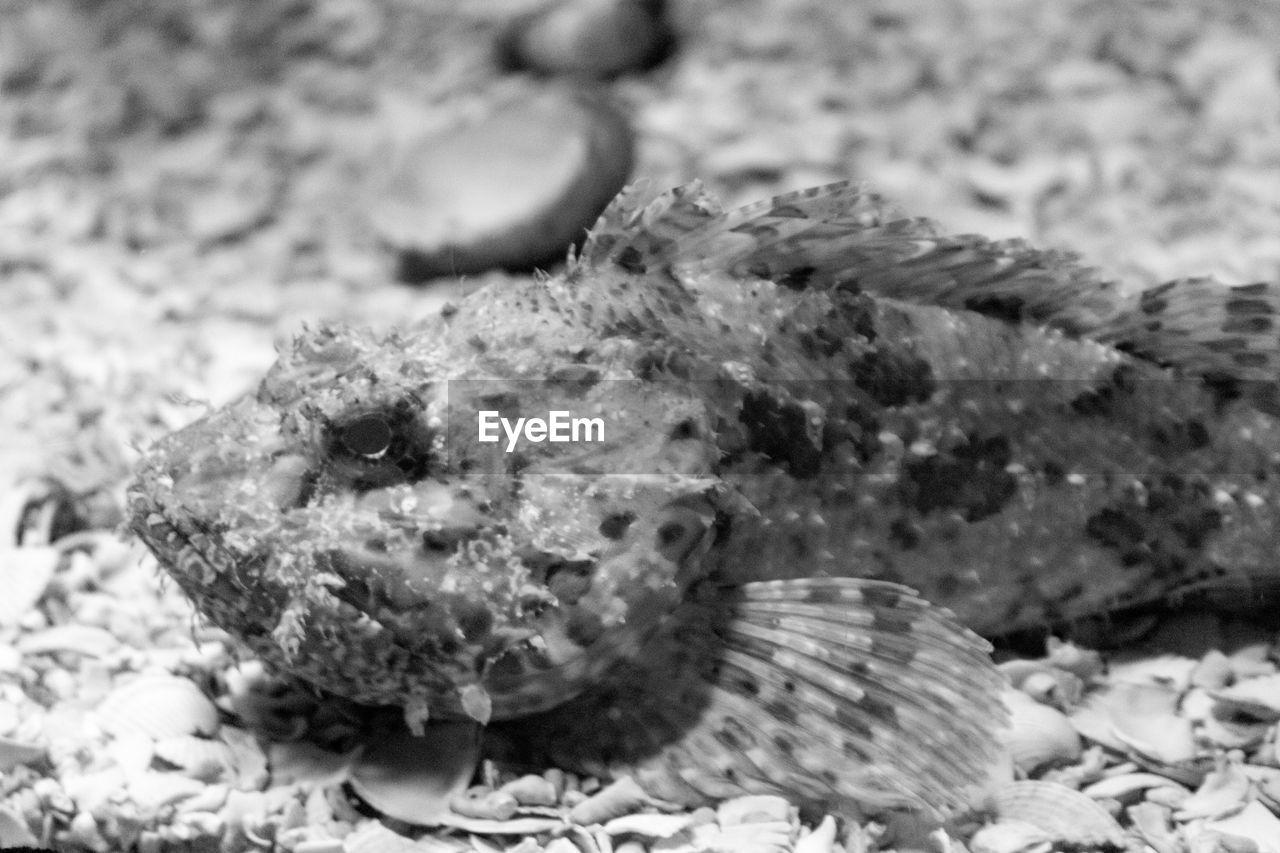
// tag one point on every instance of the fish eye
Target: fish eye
(378, 446)
(368, 436)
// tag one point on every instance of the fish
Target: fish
(731, 502)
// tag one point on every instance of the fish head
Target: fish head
(350, 527)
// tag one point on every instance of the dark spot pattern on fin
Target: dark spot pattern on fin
(827, 690)
(843, 235)
(864, 669)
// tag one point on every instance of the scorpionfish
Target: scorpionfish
(824, 447)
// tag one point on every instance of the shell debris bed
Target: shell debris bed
(135, 728)
(180, 189)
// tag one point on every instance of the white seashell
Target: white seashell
(1125, 786)
(1010, 836)
(84, 640)
(14, 831)
(153, 791)
(758, 808)
(515, 826)
(621, 797)
(197, 757)
(320, 845)
(1038, 734)
(1223, 792)
(821, 840)
(1256, 697)
(561, 845)
(532, 790)
(1152, 824)
(373, 837)
(413, 779)
(648, 825)
(15, 752)
(1066, 815)
(1172, 671)
(1253, 822)
(771, 836)
(1213, 671)
(27, 572)
(158, 706)
(1141, 719)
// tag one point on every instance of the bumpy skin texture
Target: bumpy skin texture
(807, 403)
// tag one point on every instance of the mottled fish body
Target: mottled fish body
(809, 408)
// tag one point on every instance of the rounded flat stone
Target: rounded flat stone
(512, 190)
(593, 38)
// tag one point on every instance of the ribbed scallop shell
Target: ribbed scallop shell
(1011, 836)
(1066, 815)
(1257, 697)
(1038, 734)
(159, 706)
(197, 757)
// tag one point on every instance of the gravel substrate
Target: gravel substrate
(182, 184)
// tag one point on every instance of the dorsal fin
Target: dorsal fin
(639, 232)
(844, 235)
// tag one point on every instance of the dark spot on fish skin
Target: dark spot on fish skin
(819, 342)
(671, 533)
(1251, 359)
(1179, 437)
(970, 477)
(860, 427)
(759, 269)
(782, 710)
(854, 716)
(685, 429)
(947, 585)
(1006, 307)
(578, 377)
(1258, 288)
(631, 260)
(1053, 472)
(583, 626)
(904, 534)
(1102, 400)
(1249, 307)
(659, 361)
(821, 595)
(1166, 531)
(1226, 344)
(855, 312)
(779, 430)
(788, 211)
(893, 377)
(796, 278)
(852, 749)
(1118, 528)
(571, 580)
(727, 739)
(615, 524)
(747, 687)
(1248, 325)
(1152, 301)
(784, 745)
